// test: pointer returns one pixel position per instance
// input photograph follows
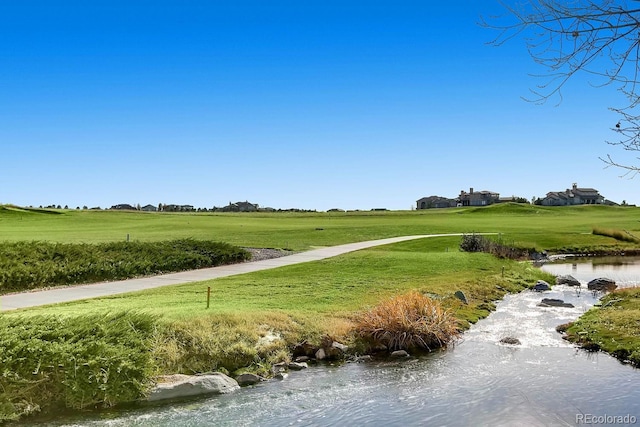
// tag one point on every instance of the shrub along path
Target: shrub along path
(79, 292)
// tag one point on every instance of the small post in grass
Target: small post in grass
(208, 295)
(127, 237)
(503, 271)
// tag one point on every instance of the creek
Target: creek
(541, 382)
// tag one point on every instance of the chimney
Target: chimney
(471, 190)
(575, 186)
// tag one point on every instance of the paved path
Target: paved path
(73, 293)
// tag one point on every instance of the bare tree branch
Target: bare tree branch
(600, 39)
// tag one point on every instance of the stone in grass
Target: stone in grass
(461, 296)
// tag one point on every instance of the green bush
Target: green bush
(30, 265)
(479, 243)
(73, 362)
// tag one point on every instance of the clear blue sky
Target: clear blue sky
(307, 104)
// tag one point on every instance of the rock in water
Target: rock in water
(568, 280)
(510, 340)
(248, 379)
(541, 285)
(601, 284)
(177, 386)
(298, 366)
(553, 302)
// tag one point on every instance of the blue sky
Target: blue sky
(314, 105)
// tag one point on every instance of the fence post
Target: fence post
(208, 295)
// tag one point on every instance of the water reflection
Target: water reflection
(624, 270)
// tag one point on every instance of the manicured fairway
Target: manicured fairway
(525, 225)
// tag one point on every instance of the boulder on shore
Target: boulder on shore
(178, 386)
(568, 280)
(298, 366)
(602, 284)
(304, 348)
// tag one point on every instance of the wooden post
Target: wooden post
(208, 295)
(127, 237)
(503, 271)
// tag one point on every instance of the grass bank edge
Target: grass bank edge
(234, 342)
(612, 326)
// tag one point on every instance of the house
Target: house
(123, 207)
(178, 208)
(477, 198)
(149, 208)
(573, 196)
(240, 207)
(435, 202)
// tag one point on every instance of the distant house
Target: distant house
(178, 208)
(478, 198)
(432, 202)
(573, 196)
(240, 207)
(123, 207)
(149, 208)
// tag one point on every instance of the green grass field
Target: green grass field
(305, 301)
(526, 225)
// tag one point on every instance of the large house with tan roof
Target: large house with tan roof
(573, 196)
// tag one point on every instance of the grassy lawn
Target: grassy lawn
(335, 287)
(305, 301)
(614, 326)
(529, 226)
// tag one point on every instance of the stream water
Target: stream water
(544, 381)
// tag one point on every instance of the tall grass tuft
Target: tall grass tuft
(621, 235)
(408, 321)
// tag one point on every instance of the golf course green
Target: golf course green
(105, 351)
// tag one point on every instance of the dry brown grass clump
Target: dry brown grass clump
(408, 321)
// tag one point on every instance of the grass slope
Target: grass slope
(297, 302)
(526, 225)
(614, 326)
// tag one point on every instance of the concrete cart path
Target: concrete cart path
(73, 293)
